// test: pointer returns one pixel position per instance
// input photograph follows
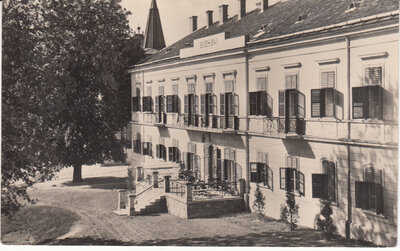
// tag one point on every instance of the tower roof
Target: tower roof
(154, 37)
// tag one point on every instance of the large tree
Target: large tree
(94, 40)
(65, 89)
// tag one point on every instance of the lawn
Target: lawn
(35, 224)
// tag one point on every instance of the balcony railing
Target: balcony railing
(276, 126)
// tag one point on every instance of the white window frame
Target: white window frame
(382, 65)
(292, 73)
(322, 71)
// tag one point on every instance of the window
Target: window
(229, 110)
(262, 84)
(173, 103)
(291, 81)
(147, 104)
(191, 109)
(229, 82)
(208, 106)
(160, 105)
(324, 185)
(137, 144)
(260, 172)
(373, 75)
(147, 149)
(209, 83)
(260, 103)
(161, 90)
(369, 193)
(367, 102)
(291, 104)
(231, 170)
(191, 84)
(290, 176)
(174, 154)
(161, 152)
(175, 89)
(135, 104)
(148, 91)
(326, 102)
(328, 79)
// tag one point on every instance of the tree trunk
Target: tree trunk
(77, 173)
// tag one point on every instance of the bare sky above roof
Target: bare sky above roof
(175, 14)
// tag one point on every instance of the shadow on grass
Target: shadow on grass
(299, 238)
(101, 183)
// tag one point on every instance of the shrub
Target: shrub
(290, 211)
(259, 202)
(324, 221)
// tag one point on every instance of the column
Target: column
(188, 192)
(155, 179)
(131, 202)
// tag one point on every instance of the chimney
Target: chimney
(242, 8)
(193, 23)
(209, 18)
(223, 13)
(264, 5)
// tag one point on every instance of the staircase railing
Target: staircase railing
(156, 185)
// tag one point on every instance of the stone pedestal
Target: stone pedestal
(121, 199)
(155, 179)
(188, 192)
(167, 184)
(131, 203)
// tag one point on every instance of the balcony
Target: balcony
(280, 127)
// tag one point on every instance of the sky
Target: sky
(175, 14)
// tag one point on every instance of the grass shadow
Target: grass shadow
(102, 183)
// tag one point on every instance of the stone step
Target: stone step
(122, 212)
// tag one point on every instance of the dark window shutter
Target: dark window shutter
(253, 103)
(158, 151)
(301, 184)
(359, 102)
(222, 104)
(282, 178)
(319, 185)
(157, 104)
(186, 108)
(375, 94)
(171, 154)
(379, 199)
(282, 104)
(170, 103)
(361, 194)
(225, 169)
(316, 103)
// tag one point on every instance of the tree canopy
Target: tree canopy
(66, 90)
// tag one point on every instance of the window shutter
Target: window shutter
(214, 99)
(169, 103)
(236, 104)
(196, 168)
(373, 75)
(196, 104)
(177, 155)
(282, 178)
(206, 150)
(361, 194)
(157, 103)
(253, 103)
(319, 185)
(282, 103)
(339, 102)
(150, 149)
(270, 177)
(158, 155)
(203, 104)
(264, 173)
(379, 199)
(328, 79)
(186, 110)
(164, 152)
(316, 103)
(225, 170)
(171, 154)
(359, 102)
(329, 102)
(185, 160)
(210, 104)
(162, 104)
(222, 104)
(374, 101)
(301, 183)
(301, 105)
(270, 102)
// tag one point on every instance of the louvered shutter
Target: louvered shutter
(158, 154)
(268, 105)
(263, 173)
(270, 177)
(186, 106)
(162, 104)
(171, 154)
(282, 104)
(373, 75)
(213, 110)
(359, 102)
(253, 103)
(329, 102)
(197, 164)
(236, 104)
(361, 194)
(374, 101)
(185, 160)
(206, 151)
(196, 104)
(316, 103)
(339, 102)
(379, 199)
(301, 105)
(203, 104)
(301, 183)
(282, 178)
(319, 186)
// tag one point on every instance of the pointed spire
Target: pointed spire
(154, 37)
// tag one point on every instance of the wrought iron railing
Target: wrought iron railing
(284, 125)
(177, 187)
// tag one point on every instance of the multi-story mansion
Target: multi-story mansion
(299, 95)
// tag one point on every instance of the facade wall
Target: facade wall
(341, 140)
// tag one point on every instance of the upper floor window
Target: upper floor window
(229, 82)
(367, 102)
(147, 104)
(369, 193)
(291, 81)
(262, 83)
(209, 83)
(137, 144)
(172, 103)
(324, 185)
(328, 79)
(174, 89)
(161, 90)
(191, 85)
(148, 91)
(373, 75)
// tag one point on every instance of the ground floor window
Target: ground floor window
(290, 176)
(261, 173)
(161, 152)
(324, 185)
(147, 149)
(137, 146)
(369, 193)
(174, 154)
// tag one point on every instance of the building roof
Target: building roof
(154, 37)
(282, 18)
